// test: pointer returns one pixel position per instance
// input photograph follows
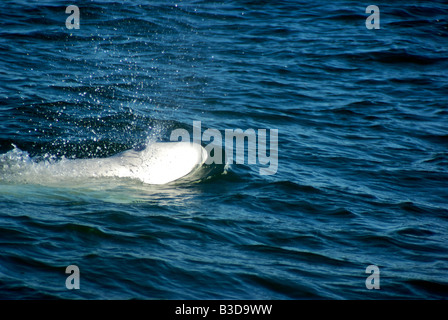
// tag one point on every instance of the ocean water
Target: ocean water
(362, 175)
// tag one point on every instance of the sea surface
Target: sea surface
(362, 175)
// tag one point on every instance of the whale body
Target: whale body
(158, 163)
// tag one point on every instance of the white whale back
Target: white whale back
(158, 163)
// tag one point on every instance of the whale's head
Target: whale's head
(164, 162)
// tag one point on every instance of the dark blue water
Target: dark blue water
(362, 144)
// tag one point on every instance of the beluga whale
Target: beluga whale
(158, 163)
